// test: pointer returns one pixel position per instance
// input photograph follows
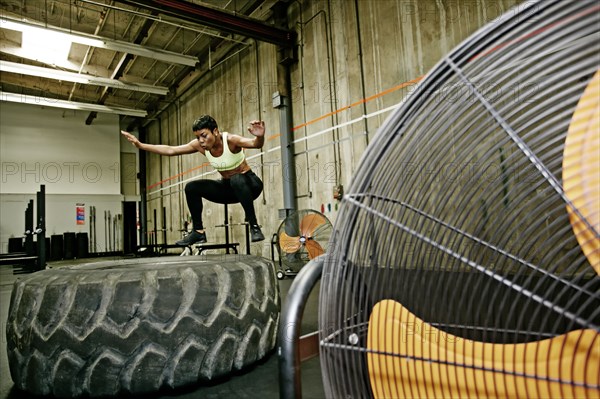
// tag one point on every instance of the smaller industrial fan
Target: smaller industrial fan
(302, 236)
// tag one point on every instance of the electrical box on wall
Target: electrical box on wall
(277, 100)
(338, 192)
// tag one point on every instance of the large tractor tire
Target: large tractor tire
(140, 325)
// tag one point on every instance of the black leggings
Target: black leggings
(243, 188)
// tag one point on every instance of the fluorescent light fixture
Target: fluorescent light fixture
(53, 102)
(100, 42)
(13, 67)
(47, 45)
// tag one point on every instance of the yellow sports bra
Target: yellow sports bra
(228, 160)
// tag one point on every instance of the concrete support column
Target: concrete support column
(287, 56)
(286, 138)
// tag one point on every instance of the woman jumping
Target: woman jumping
(225, 152)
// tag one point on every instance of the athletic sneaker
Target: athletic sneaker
(256, 234)
(192, 238)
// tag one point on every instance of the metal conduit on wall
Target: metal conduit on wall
(331, 84)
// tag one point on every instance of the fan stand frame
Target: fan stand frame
(294, 349)
(281, 273)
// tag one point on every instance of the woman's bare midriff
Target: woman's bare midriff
(242, 168)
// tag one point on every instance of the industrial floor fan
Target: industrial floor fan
(467, 251)
(303, 235)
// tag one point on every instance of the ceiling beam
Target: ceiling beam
(218, 19)
(122, 65)
(30, 70)
(42, 87)
(53, 102)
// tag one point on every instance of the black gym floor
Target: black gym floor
(260, 381)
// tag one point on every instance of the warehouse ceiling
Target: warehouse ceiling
(131, 57)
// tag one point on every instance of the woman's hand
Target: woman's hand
(131, 138)
(257, 128)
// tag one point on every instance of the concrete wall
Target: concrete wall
(235, 93)
(356, 60)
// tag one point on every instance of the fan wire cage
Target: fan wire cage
(465, 258)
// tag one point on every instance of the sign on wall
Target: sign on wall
(80, 211)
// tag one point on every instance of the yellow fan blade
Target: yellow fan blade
(289, 244)
(409, 358)
(314, 249)
(310, 222)
(581, 172)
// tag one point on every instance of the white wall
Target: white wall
(61, 216)
(77, 163)
(42, 145)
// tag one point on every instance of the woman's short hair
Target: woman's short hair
(204, 122)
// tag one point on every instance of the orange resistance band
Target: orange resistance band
(274, 136)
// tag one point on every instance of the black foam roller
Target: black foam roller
(70, 246)
(83, 247)
(15, 244)
(56, 247)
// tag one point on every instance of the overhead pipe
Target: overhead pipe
(162, 20)
(158, 107)
(218, 19)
